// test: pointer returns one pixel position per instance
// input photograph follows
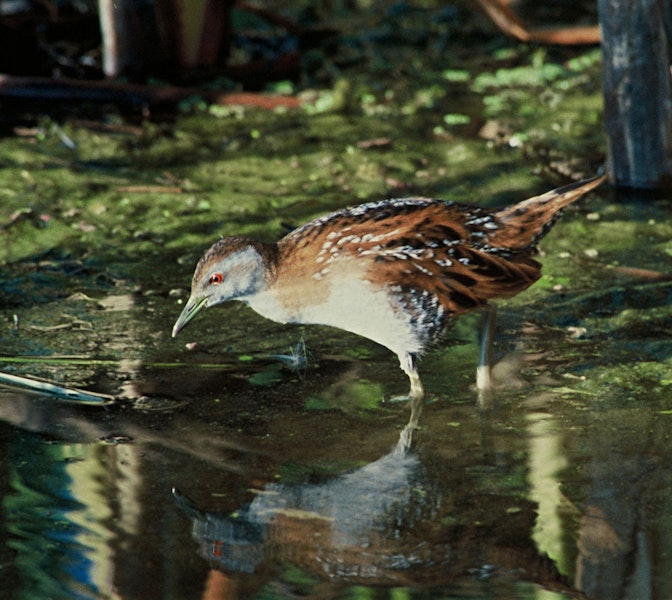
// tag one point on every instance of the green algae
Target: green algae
(235, 166)
(135, 209)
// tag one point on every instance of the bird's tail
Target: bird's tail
(522, 225)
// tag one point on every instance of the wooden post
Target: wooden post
(637, 51)
(185, 33)
(118, 52)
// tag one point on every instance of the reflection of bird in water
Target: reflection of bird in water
(395, 271)
(402, 520)
(326, 524)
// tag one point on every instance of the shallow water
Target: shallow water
(228, 472)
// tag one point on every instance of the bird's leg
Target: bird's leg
(484, 369)
(416, 394)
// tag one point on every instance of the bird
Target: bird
(395, 271)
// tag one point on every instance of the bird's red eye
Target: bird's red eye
(216, 278)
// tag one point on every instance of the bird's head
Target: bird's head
(232, 269)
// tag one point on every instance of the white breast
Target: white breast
(352, 306)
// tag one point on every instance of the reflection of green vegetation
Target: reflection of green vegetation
(272, 374)
(300, 581)
(53, 508)
(352, 396)
(296, 576)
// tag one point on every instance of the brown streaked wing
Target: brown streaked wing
(466, 282)
(417, 244)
